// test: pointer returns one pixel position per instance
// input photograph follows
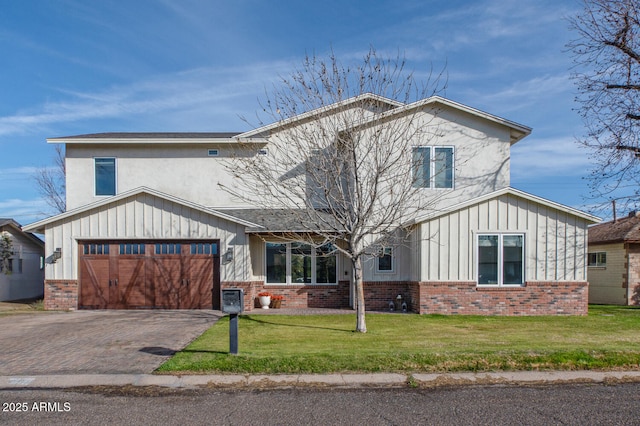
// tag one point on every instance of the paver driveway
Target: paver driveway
(96, 341)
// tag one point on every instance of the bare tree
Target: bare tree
(340, 156)
(50, 182)
(607, 57)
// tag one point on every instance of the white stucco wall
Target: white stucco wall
(482, 150)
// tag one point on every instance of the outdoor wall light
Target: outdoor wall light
(228, 255)
(57, 254)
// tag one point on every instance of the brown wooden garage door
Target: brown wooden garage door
(138, 275)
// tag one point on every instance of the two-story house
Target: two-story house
(149, 225)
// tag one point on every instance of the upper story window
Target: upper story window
(433, 167)
(501, 259)
(598, 259)
(105, 173)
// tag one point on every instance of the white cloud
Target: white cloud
(23, 211)
(199, 89)
(540, 158)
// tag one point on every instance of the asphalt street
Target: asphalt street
(586, 404)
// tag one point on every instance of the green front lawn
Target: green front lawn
(608, 338)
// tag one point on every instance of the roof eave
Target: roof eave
(504, 191)
(39, 226)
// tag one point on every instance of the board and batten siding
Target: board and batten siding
(145, 217)
(555, 240)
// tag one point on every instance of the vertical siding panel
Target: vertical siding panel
(562, 247)
(551, 245)
(130, 218)
(121, 219)
(463, 246)
(582, 246)
(571, 251)
(453, 243)
(147, 213)
(434, 252)
(502, 211)
(100, 217)
(535, 243)
(157, 211)
(483, 216)
(492, 215)
(513, 215)
(445, 246)
(523, 215)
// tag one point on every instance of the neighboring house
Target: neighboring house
(148, 226)
(23, 277)
(614, 261)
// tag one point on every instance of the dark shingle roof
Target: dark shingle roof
(154, 135)
(626, 229)
(279, 220)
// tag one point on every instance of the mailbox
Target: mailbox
(232, 300)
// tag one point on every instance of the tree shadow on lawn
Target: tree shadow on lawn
(262, 321)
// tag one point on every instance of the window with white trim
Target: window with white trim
(299, 263)
(105, 176)
(433, 167)
(598, 259)
(384, 262)
(500, 259)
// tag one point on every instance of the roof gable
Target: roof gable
(327, 109)
(40, 225)
(499, 193)
(517, 131)
(6, 222)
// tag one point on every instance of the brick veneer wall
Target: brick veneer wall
(295, 296)
(377, 294)
(60, 294)
(632, 278)
(535, 298)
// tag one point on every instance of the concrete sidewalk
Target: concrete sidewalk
(321, 380)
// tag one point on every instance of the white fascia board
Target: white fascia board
(518, 131)
(174, 141)
(505, 191)
(39, 226)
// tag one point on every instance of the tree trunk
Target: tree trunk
(361, 325)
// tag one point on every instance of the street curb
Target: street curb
(382, 380)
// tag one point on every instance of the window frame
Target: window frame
(597, 264)
(500, 259)
(95, 176)
(315, 254)
(430, 182)
(392, 261)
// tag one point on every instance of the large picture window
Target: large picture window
(501, 259)
(105, 174)
(299, 263)
(433, 167)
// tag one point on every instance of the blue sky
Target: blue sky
(74, 67)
